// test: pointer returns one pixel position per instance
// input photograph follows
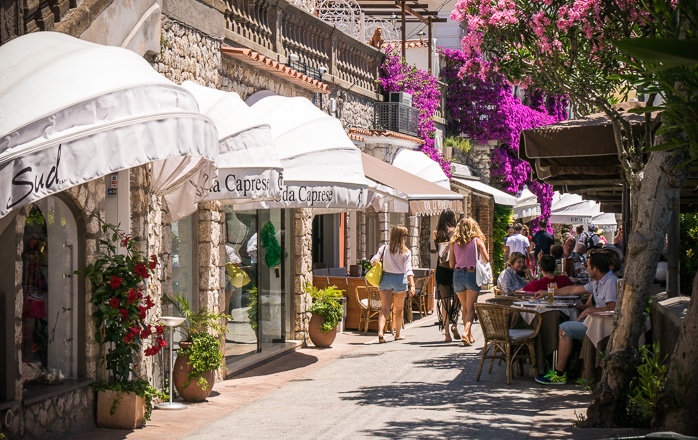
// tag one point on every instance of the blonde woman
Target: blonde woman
(468, 241)
(397, 280)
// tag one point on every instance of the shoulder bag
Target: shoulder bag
(483, 271)
(375, 273)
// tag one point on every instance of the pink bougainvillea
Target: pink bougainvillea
(397, 76)
(484, 108)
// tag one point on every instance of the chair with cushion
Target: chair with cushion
(419, 300)
(504, 342)
(370, 301)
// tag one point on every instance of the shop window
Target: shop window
(49, 294)
(184, 264)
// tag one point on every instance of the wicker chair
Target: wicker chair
(419, 299)
(502, 300)
(370, 302)
(503, 342)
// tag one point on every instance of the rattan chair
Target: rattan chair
(420, 298)
(502, 300)
(502, 341)
(370, 301)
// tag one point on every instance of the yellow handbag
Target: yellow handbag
(238, 277)
(375, 273)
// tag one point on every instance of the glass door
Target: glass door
(271, 278)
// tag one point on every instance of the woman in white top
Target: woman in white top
(397, 277)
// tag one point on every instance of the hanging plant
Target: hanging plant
(267, 239)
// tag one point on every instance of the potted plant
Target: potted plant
(326, 312)
(199, 354)
(120, 309)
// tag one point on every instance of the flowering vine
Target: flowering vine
(121, 303)
(483, 107)
(397, 76)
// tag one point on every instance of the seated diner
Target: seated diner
(546, 266)
(509, 279)
(603, 289)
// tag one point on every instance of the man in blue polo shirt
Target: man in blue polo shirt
(602, 288)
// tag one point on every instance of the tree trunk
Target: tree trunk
(677, 410)
(655, 198)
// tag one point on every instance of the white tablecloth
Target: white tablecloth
(542, 308)
(599, 327)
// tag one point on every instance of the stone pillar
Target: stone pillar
(413, 239)
(425, 241)
(361, 226)
(384, 226)
(302, 269)
(348, 237)
(210, 219)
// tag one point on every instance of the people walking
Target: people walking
(448, 306)
(467, 245)
(397, 280)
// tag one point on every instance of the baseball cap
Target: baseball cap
(592, 227)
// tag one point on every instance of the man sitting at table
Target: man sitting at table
(603, 298)
(547, 265)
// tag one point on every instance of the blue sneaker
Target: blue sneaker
(552, 378)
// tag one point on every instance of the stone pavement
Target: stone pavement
(416, 388)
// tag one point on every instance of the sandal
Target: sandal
(448, 338)
(466, 341)
(399, 338)
(381, 339)
(454, 330)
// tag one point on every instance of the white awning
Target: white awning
(527, 207)
(248, 167)
(421, 165)
(406, 192)
(73, 111)
(500, 197)
(578, 213)
(606, 221)
(563, 200)
(322, 167)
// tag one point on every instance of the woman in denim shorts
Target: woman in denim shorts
(468, 242)
(397, 278)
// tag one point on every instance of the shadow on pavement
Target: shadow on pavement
(290, 361)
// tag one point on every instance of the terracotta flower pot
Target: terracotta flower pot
(129, 412)
(320, 339)
(189, 389)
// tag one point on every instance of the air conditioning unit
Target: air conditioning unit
(401, 97)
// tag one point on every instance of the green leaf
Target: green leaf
(668, 53)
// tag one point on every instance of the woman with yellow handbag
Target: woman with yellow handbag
(397, 277)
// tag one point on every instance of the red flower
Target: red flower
(125, 240)
(152, 351)
(160, 329)
(132, 295)
(161, 342)
(115, 282)
(128, 337)
(115, 303)
(141, 311)
(141, 270)
(135, 330)
(149, 303)
(146, 332)
(124, 314)
(153, 262)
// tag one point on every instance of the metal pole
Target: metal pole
(171, 363)
(429, 47)
(404, 31)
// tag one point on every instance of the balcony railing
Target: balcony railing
(395, 116)
(278, 29)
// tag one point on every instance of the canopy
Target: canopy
(73, 111)
(580, 213)
(248, 166)
(500, 197)
(606, 221)
(562, 200)
(581, 156)
(527, 207)
(322, 167)
(405, 191)
(419, 164)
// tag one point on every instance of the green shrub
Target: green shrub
(326, 303)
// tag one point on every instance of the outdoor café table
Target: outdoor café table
(552, 315)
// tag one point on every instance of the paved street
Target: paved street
(416, 388)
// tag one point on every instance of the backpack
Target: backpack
(589, 240)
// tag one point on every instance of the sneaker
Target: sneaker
(552, 378)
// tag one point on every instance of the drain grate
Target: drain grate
(359, 355)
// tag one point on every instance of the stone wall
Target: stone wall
(240, 78)
(425, 239)
(478, 158)
(302, 269)
(188, 55)
(52, 418)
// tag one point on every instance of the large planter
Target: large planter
(320, 339)
(189, 389)
(129, 411)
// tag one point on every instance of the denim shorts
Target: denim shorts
(396, 282)
(464, 280)
(574, 329)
